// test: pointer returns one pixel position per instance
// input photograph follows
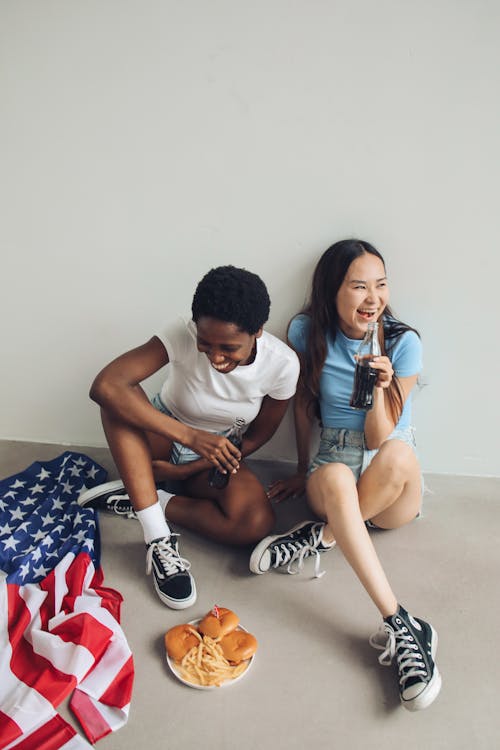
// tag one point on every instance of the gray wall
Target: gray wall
(144, 142)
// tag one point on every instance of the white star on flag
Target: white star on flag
(10, 543)
(24, 570)
(17, 513)
(80, 535)
(29, 501)
(41, 571)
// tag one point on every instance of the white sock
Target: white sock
(154, 525)
(163, 498)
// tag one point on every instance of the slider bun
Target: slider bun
(238, 646)
(217, 627)
(179, 640)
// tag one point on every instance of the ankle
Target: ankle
(327, 538)
(153, 522)
(390, 610)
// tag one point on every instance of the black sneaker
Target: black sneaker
(173, 582)
(290, 549)
(414, 644)
(110, 497)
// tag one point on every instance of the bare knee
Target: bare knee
(396, 461)
(331, 486)
(254, 523)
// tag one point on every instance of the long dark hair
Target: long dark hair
(324, 319)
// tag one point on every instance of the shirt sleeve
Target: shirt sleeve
(285, 385)
(406, 356)
(298, 331)
(177, 339)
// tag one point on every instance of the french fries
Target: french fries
(206, 665)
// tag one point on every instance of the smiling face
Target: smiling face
(225, 345)
(362, 296)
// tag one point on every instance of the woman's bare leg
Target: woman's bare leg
(132, 453)
(333, 495)
(240, 514)
(389, 491)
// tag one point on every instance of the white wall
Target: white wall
(145, 141)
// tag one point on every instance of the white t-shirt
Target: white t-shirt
(203, 398)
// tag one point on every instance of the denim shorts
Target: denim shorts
(180, 454)
(338, 445)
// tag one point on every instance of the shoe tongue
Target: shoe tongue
(160, 539)
(400, 612)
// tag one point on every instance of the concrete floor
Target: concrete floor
(316, 681)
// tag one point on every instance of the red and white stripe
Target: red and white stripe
(58, 638)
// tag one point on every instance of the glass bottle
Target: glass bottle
(365, 376)
(215, 477)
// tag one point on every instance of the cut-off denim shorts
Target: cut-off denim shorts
(338, 445)
(180, 454)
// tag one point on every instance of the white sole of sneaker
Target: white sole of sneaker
(431, 692)
(101, 489)
(259, 550)
(175, 603)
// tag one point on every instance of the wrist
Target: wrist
(185, 435)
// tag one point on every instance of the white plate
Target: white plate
(175, 671)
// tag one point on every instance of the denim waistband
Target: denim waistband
(342, 437)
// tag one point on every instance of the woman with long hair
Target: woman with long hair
(366, 472)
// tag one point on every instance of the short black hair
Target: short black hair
(234, 295)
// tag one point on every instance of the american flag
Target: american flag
(59, 626)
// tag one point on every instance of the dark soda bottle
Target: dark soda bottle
(215, 477)
(365, 376)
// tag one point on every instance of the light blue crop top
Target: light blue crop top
(338, 373)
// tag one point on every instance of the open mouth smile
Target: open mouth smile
(367, 314)
(223, 367)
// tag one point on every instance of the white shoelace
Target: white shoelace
(167, 556)
(113, 502)
(294, 553)
(401, 645)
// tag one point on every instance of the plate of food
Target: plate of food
(214, 651)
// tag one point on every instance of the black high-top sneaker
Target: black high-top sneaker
(414, 644)
(110, 497)
(290, 549)
(173, 582)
